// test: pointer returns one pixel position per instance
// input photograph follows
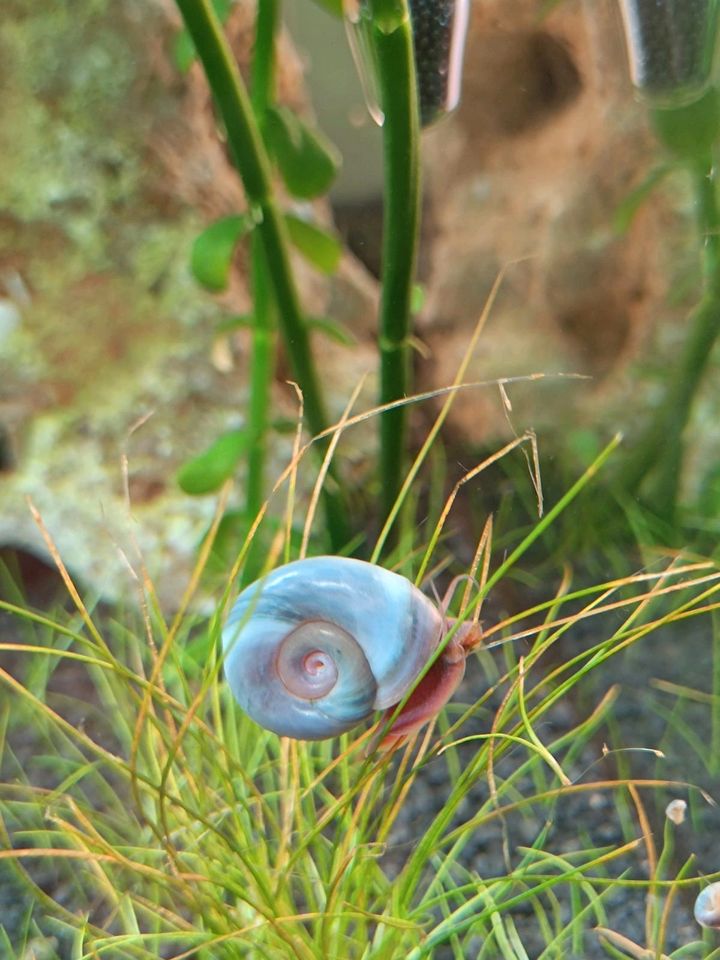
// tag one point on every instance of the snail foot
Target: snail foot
(428, 698)
(469, 636)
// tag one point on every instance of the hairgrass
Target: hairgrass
(169, 825)
(148, 817)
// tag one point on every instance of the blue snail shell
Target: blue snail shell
(317, 645)
(707, 906)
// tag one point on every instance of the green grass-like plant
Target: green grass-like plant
(175, 827)
(144, 816)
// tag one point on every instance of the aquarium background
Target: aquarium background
(566, 250)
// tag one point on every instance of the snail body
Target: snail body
(316, 646)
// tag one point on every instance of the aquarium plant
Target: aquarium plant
(154, 819)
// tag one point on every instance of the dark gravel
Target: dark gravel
(642, 717)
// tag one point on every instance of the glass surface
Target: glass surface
(671, 45)
(439, 28)
(439, 31)
(357, 22)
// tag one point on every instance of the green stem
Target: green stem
(662, 445)
(262, 88)
(253, 165)
(395, 62)
(261, 374)
(263, 350)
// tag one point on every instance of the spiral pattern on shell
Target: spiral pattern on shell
(317, 645)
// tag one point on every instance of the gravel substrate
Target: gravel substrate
(641, 718)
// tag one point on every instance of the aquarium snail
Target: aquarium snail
(707, 906)
(318, 645)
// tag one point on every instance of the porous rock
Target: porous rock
(527, 178)
(112, 164)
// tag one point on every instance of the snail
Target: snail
(316, 646)
(707, 906)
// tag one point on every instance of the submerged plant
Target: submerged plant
(255, 130)
(150, 818)
(178, 828)
(263, 136)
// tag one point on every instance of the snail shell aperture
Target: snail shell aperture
(317, 645)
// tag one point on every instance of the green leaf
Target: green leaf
(307, 161)
(207, 472)
(322, 248)
(331, 328)
(213, 250)
(625, 213)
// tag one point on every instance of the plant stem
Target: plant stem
(705, 327)
(395, 62)
(262, 88)
(252, 163)
(662, 444)
(261, 373)
(263, 331)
